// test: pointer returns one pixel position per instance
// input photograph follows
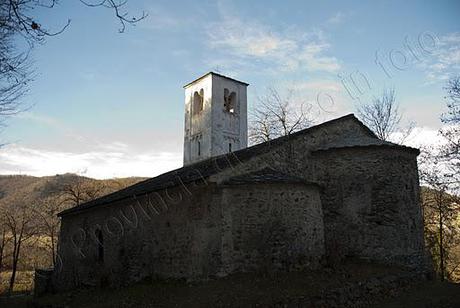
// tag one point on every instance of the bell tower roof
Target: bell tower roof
(215, 74)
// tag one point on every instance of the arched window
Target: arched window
(199, 148)
(198, 102)
(229, 101)
(100, 245)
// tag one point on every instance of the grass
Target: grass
(243, 290)
(24, 282)
(234, 291)
(430, 294)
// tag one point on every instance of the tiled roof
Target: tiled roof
(266, 175)
(363, 142)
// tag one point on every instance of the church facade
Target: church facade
(317, 196)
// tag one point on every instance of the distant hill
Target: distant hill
(31, 188)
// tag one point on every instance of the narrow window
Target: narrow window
(199, 148)
(100, 246)
(229, 147)
(198, 102)
(229, 101)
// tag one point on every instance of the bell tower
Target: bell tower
(215, 117)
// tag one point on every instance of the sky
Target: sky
(107, 104)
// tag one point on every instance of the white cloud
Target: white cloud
(445, 58)
(115, 161)
(252, 41)
(421, 137)
(103, 155)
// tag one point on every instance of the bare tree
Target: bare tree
(383, 117)
(451, 131)
(47, 209)
(440, 212)
(4, 240)
(21, 226)
(453, 93)
(18, 16)
(439, 171)
(82, 190)
(17, 20)
(277, 115)
(14, 75)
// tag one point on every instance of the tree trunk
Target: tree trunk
(16, 252)
(2, 249)
(53, 252)
(441, 245)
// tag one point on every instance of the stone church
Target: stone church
(323, 194)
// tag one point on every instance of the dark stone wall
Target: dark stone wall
(194, 231)
(269, 227)
(370, 196)
(173, 233)
(371, 204)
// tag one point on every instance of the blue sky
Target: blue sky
(107, 104)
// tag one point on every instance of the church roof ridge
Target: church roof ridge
(367, 142)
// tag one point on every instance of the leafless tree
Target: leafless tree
(453, 94)
(47, 209)
(18, 16)
(82, 190)
(383, 117)
(22, 228)
(451, 130)
(277, 115)
(441, 209)
(14, 70)
(439, 171)
(4, 240)
(18, 20)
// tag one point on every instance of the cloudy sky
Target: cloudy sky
(106, 104)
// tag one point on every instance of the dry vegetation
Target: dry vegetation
(29, 226)
(451, 234)
(24, 281)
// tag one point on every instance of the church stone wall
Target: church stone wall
(185, 232)
(393, 189)
(173, 233)
(269, 227)
(371, 204)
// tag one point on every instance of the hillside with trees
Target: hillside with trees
(29, 226)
